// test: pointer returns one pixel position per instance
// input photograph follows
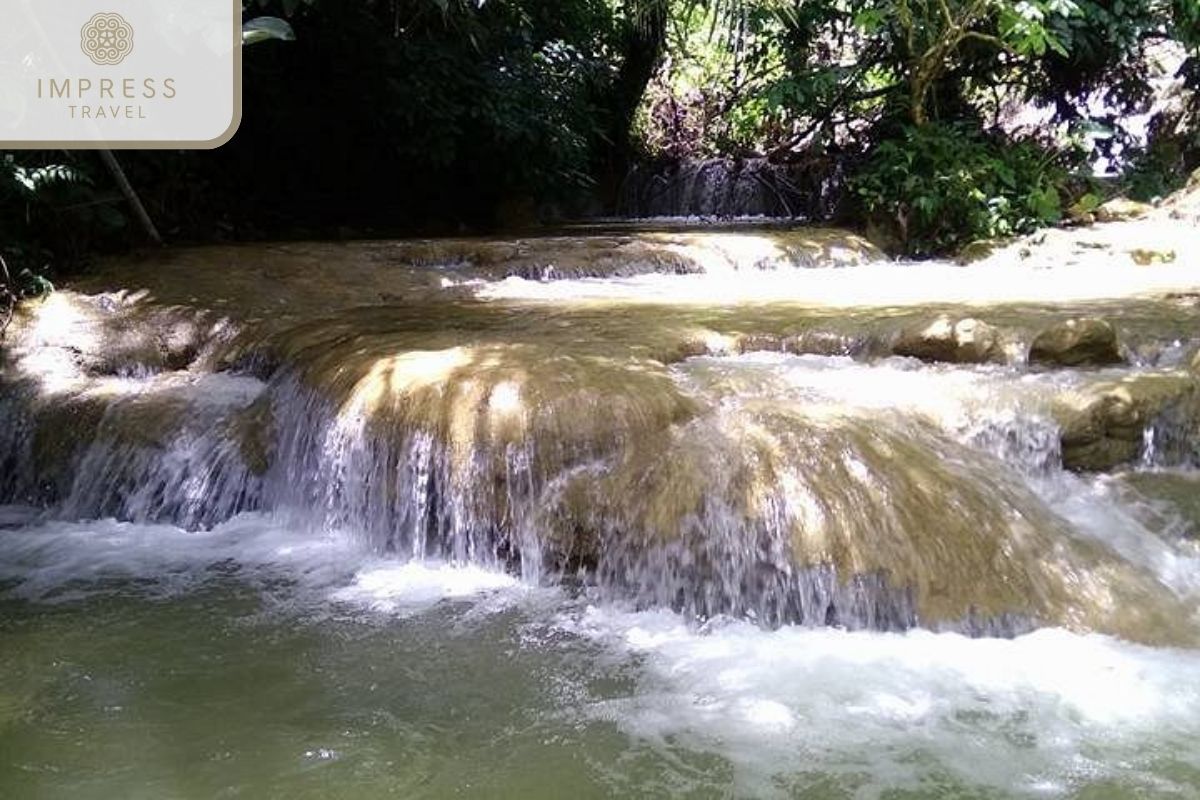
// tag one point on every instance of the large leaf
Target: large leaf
(261, 29)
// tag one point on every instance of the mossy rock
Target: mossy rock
(1120, 209)
(883, 233)
(1103, 426)
(62, 430)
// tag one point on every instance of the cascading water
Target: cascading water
(731, 188)
(674, 490)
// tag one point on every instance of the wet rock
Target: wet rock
(691, 347)
(754, 342)
(810, 342)
(1144, 257)
(1104, 426)
(963, 341)
(1076, 343)
(253, 430)
(1167, 502)
(61, 431)
(977, 250)
(1119, 209)
(828, 343)
(117, 335)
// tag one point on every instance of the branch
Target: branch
(131, 196)
(987, 37)
(946, 13)
(826, 114)
(8, 296)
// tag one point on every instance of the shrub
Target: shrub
(54, 209)
(939, 186)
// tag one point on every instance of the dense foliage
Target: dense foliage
(937, 186)
(388, 115)
(52, 210)
(954, 119)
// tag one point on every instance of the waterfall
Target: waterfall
(775, 463)
(731, 188)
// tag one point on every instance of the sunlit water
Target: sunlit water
(865, 285)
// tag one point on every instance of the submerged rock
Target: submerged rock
(1105, 426)
(1144, 257)
(962, 341)
(978, 250)
(796, 516)
(1166, 501)
(1083, 342)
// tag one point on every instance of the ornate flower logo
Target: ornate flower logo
(107, 38)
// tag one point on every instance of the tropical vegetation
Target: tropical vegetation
(947, 120)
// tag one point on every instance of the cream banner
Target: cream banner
(119, 73)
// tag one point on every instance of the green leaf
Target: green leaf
(261, 29)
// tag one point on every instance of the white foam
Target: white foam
(950, 394)
(57, 561)
(66, 561)
(1035, 713)
(400, 588)
(1041, 714)
(886, 284)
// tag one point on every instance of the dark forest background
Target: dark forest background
(394, 117)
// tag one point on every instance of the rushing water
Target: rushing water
(485, 534)
(145, 661)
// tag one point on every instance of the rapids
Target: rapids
(643, 512)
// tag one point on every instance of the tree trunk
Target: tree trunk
(643, 46)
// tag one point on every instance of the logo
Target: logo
(138, 74)
(106, 39)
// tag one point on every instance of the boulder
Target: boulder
(1104, 425)
(962, 341)
(1076, 343)
(1120, 208)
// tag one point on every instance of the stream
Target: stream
(632, 513)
